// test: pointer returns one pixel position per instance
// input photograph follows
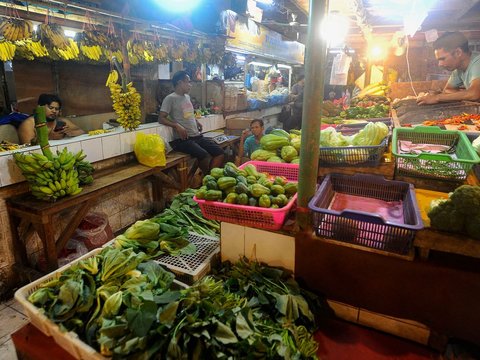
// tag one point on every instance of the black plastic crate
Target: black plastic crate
(363, 228)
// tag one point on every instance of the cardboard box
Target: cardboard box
(237, 123)
(242, 103)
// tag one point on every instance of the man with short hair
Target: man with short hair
(177, 112)
(453, 54)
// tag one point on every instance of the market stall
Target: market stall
(363, 213)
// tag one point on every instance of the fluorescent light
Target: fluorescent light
(70, 33)
(267, 2)
(334, 29)
(240, 57)
(178, 6)
(256, 63)
(282, 66)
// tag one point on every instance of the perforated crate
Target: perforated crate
(453, 166)
(190, 268)
(361, 227)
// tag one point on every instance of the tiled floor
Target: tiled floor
(11, 319)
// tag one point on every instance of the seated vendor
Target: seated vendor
(57, 128)
(250, 140)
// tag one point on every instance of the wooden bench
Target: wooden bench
(26, 212)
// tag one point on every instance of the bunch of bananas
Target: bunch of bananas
(126, 105)
(92, 52)
(111, 79)
(14, 29)
(85, 171)
(29, 49)
(91, 42)
(379, 88)
(7, 50)
(98, 132)
(178, 52)
(53, 179)
(52, 35)
(71, 52)
(160, 52)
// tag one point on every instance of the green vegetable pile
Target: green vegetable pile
(110, 300)
(246, 187)
(167, 232)
(459, 213)
(125, 307)
(279, 146)
(371, 112)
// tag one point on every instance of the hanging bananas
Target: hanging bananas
(14, 29)
(29, 49)
(126, 105)
(7, 50)
(112, 78)
(53, 179)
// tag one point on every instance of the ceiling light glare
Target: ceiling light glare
(178, 6)
(334, 29)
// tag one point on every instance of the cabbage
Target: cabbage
(476, 145)
(372, 134)
(329, 137)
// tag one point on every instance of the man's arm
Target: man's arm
(241, 147)
(163, 119)
(470, 94)
(70, 129)
(26, 131)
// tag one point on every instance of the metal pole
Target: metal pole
(315, 63)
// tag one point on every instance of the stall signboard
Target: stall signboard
(250, 37)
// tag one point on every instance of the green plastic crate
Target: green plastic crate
(453, 166)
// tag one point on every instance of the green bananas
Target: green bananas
(53, 179)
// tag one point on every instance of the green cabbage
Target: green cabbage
(371, 135)
(329, 137)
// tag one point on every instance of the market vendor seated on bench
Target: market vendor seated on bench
(177, 112)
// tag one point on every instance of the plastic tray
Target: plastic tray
(363, 228)
(253, 216)
(190, 268)
(67, 340)
(454, 167)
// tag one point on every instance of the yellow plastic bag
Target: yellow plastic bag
(150, 150)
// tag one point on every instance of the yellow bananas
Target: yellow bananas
(126, 105)
(112, 77)
(53, 179)
(98, 132)
(7, 50)
(374, 89)
(14, 29)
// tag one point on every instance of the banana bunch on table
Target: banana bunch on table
(56, 178)
(14, 29)
(379, 88)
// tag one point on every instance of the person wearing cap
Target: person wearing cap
(453, 54)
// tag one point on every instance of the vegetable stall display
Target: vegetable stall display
(124, 306)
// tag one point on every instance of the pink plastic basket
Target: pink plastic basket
(253, 216)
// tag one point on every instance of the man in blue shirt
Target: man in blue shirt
(250, 140)
(452, 53)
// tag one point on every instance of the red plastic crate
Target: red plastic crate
(265, 218)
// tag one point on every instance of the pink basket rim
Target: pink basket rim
(247, 207)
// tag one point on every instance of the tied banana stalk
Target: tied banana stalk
(126, 101)
(53, 176)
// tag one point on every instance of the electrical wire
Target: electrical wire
(408, 66)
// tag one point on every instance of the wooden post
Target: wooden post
(315, 63)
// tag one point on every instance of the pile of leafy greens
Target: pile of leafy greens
(167, 232)
(125, 307)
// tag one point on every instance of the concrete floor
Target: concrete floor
(12, 318)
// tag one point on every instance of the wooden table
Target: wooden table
(25, 211)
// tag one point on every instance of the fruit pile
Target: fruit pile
(14, 29)
(246, 186)
(55, 178)
(279, 146)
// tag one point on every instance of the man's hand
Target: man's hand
(181, 132)
(245, 133)
(428, 99)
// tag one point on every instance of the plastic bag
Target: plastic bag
(94, 230)
(150, 150)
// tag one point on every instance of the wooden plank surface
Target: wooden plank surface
(430, 239)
